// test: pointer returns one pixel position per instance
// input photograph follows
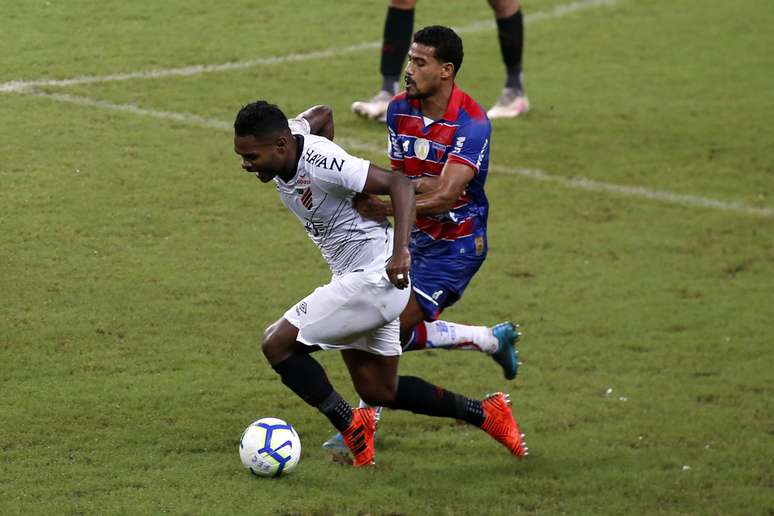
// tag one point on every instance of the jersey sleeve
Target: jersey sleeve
(394, 150)
(299, 125)
(336, 171)
(471, 143)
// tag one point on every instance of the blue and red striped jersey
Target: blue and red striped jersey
(421, 147)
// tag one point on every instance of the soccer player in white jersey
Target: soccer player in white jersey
(357, 312)
(498, 341)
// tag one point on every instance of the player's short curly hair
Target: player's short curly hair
(260, 119)
(446, 42)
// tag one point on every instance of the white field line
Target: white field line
(580, 183)
(480, 26)
(664, 196)
(184, 118)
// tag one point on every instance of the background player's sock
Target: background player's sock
(390, 84)
(449, 335)
(421, 397)
(510, 32)
(306, 377)
(398, 29)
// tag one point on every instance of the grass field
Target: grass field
(631, 232)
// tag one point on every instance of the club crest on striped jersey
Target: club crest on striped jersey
(421, 148)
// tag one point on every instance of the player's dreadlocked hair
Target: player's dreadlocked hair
(260, 119)
(446, 42)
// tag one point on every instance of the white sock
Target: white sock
(449, 335)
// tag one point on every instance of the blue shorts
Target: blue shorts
(441, 272)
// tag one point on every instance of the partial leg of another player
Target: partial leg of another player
(513, 100)
(398, 29)
(376, 380)
(416, 334)
(305, 376)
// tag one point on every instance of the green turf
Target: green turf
(139, 265)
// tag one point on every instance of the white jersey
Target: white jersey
(320, 195)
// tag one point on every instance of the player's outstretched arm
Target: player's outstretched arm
(401, 192)
(320, 120)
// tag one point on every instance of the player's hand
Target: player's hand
(398, 268)
(370, 207)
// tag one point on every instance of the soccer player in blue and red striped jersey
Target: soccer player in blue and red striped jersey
(439, 137)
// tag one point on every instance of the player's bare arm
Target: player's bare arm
(451, 185)
(320, 120)
(423, 184)
(401, 192)
(426, 184)
(436, 195)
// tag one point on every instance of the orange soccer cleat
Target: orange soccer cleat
(359, 437)
(499, 423)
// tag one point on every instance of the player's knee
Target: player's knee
(267, 344)
(377, 395)
(272, 344)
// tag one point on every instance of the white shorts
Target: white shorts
(358, 310)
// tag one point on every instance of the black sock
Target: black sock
(398, 28)
(510, 32)
(421, 397)
(338, 411)
(306, 377)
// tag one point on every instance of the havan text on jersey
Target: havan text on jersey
(321, 160)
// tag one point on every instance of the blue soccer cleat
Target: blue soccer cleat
(507, 354)
(335, 444)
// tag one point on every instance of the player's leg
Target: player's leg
(410, 317)
(438, 334)
(438, 282)
(372, 378)
(398, 29)
(365, 317)
(303, 374)
(513, 100)
(376, 380)
(335, 316)
(499, 341)
(375, 377)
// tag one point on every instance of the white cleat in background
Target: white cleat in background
(511, 104)
(375, 108)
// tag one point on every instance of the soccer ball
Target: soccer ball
(270, 447)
